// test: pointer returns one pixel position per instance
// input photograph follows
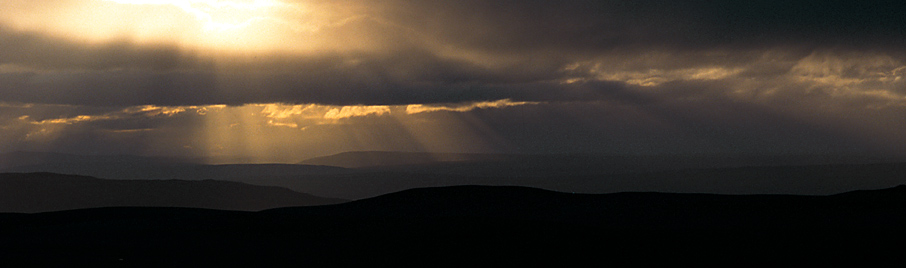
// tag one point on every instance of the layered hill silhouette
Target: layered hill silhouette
(361, 159)
(385, 172)
(569, 164)
(42, 192)
(478, 224)
(138, 167)
(359, 175)
(802, 180)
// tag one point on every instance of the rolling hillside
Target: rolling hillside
(478, 225)
(42, 192)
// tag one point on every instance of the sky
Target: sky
(286, 80)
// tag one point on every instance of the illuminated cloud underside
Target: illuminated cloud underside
(419, 108)
(308, 77)
(231, 130)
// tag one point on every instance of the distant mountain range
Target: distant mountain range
(571, 164)
(43, 192)
(139, 167)
(381, 159)
(23, 158)
(358, 175)
(478, 224)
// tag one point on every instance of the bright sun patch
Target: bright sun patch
(217, 15)
(202, 25)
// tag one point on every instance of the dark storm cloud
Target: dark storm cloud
(583, 25)
(123, 74)
(435, 51)
(124, 88)
(38, 50)
(674, 128)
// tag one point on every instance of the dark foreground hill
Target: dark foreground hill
(475, 225)
(41, 192)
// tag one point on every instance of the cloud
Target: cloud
(356, 111)
(655, 77)
(640, 71)
(582, 26)
(278, 111)
(464, 107)
(37, 50)
(130, 113)
(287, 133)
(432, 52)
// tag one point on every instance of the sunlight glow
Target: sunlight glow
(204, 25)
(262, 133)
(217, 15)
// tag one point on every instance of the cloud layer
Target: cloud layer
(413, 52)
(710, 74)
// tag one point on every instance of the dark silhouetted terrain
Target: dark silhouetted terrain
(479, 225)
(378, 173)
(41, 192)
(570, 164)
(381, 158)
(802, 180)
(23, 158)
(138, 167)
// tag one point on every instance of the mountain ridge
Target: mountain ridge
(579, 163)
(43, 192)
(565, 172)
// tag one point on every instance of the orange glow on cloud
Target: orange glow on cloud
(420, 108)
(320, 77)
(257, 131)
